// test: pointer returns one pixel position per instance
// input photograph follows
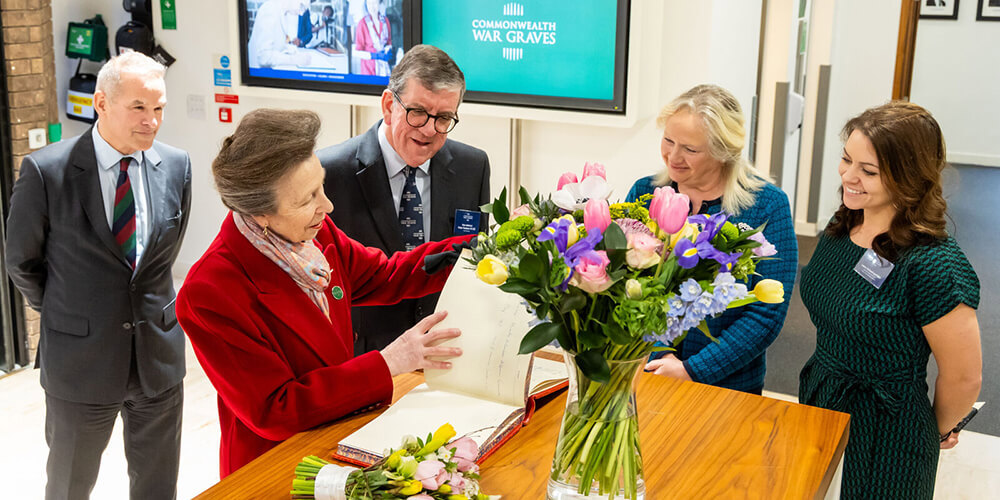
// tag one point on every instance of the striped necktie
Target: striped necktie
(124, 215)
(411, 212)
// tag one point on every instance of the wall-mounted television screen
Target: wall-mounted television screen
(540, 53)
(535, 53)
(334, 45)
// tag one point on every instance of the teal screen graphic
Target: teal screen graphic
(537, 47)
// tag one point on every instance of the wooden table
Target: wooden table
(698, 441)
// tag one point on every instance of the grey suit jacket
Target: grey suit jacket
(63, 258)
(357, 183)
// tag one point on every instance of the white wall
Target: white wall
(862, 60)
(676, 44)
(773, 68)
(956, 71)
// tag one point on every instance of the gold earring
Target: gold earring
(265, 230)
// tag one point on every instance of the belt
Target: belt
(888, 388)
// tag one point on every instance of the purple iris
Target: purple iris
(558, 231)
(711, 224)
(727, 261)
(689, 253)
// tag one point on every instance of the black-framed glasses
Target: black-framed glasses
(417, 117)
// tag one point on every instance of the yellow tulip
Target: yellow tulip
(769, 291)
(572, 233)
(441, 436)
(412, 488)
(444, 488)
(492, 270)
(457, 497)
(689, 231)
(393, 460)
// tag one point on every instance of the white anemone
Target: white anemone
(574, 196)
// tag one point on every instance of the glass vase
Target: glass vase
(597, 454)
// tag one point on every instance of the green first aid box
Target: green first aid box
(87, 41)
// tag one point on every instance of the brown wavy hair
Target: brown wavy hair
(911, 156)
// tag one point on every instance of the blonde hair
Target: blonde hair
(722, 117)
(110, 77)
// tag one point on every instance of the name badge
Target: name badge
(873, 268)
(466, 222)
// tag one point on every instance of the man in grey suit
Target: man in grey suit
(383, 181)
(95, 225)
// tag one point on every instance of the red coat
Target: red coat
(278, 365)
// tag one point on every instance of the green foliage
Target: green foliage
(593, 365)
(500, 212)
(540, 336)
(634, 210)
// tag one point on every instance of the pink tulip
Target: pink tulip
(519, 211)
(669, 209)
(466, 451)
(430, 473)
(591, 275)
(643, 250)
(596, 215)
(422, 496)
(456, 480)
(594, 169)
(567, 178)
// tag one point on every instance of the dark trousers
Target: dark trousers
(78, 433)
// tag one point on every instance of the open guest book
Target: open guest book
(490, 391)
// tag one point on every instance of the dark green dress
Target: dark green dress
(871, 359)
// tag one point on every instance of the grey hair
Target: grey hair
(721, 115)
(430, 66)
(110, 77)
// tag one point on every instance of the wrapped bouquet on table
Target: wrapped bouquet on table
(433, 469)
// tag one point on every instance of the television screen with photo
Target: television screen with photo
(334, 45)
(540, 53)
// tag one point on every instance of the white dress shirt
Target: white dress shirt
(394, 166)
(108, 159)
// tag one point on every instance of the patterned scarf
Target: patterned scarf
(303, 262)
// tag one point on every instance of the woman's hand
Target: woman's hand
(411, 349)
(670, 366)
(950, 443)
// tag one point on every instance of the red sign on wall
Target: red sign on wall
(227, 98)
(225, 115)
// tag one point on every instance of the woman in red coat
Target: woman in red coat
(268, 307)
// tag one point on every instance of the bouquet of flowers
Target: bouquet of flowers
(612, 283)
(433, 469)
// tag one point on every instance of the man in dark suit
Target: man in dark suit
(383, 181)
(95, 225)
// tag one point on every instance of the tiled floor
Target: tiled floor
(22, 421)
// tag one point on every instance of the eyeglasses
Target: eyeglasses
(417, 117)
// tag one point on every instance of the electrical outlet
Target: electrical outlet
(36, 138)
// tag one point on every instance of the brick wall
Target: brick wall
(29, 66)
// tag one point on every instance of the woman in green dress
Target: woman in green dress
(886, 287)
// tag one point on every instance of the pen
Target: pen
(965, 421)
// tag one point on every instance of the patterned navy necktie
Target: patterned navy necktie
(411, 211)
